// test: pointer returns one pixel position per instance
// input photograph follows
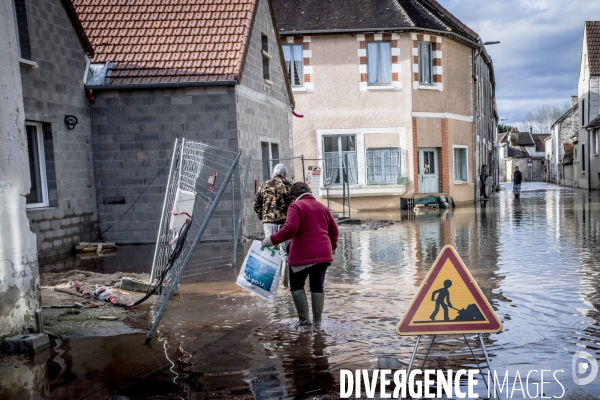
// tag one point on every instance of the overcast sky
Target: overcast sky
(537, 61)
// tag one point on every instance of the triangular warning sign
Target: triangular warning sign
(448, 302)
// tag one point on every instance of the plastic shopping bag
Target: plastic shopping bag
(260, 271)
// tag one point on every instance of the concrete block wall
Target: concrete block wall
(134, 132)
(50, 91)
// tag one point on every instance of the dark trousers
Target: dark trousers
(316, 275)
(482, 189)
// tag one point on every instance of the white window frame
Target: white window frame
(393, 182)
(595, 142)
(379, 42)
(454, 148)
(340, 154)
(430, 66)
(301, 75)
(270, 143)
(42, 165)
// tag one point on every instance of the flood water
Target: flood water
(536, 259)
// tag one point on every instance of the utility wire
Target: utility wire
(122, 215)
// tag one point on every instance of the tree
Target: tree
(540, 118)
(502, 128)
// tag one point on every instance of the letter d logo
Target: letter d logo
(582, 360)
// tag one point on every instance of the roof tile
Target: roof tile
(154, 41)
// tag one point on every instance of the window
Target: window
(22, 29)
(460, 164)
(294, 63)
(339, 153)
(379, 63)
(425, 64)
(582, 112)
(38, 195)
(383, 165)
(266, 57)
(583, 158)
(595, 142)
(270, 158)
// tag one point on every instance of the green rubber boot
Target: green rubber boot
(301, 303)
(318, 301)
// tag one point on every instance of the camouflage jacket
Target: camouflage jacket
(272, 200)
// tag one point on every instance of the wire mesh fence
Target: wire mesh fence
(202, 186)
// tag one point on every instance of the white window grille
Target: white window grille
(336, 150)
(383, 165)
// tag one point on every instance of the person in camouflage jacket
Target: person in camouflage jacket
(270, 205)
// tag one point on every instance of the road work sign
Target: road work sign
(448, 302)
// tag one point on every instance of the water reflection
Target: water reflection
(537, 260)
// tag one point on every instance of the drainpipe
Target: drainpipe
(475, 94)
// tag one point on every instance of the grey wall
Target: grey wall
(134, 132)
(19, 277)
(50, 91)
(263, 113)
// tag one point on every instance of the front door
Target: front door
(428, 170)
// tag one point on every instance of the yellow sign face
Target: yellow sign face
(448, 302)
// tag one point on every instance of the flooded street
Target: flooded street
(537, 260)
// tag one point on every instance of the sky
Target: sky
(537, 60)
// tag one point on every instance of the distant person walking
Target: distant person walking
(314, 235)
(517, 179)
(271, 205)
(482, 179)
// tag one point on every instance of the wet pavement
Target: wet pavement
(537, 260)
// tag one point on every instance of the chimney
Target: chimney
(531, 130)
(574, 100)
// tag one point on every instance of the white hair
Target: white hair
(279, 169)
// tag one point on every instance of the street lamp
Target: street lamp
(487, 43)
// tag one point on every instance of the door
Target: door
(428, 171)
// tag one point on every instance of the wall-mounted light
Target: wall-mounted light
(71, 121)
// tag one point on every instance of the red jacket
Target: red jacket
(312, 230)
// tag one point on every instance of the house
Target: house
(201, 70)
(565, 131)
(586, 166)
(53, 53)
(548, 158)
(19, 277)
(398, 95)
(526, 150)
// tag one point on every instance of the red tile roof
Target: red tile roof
(592, 29)
(169, 41)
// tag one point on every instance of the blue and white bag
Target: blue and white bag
(260, 271)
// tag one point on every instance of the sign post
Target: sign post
(449, 302)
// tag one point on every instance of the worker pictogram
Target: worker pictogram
(448, 302)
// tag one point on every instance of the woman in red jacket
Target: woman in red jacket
(314, 235)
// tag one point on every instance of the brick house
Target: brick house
(389, 85)
(196, 69)
(53, 49)
(526, 150)
(586, 154)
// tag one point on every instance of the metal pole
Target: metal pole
(412, 359)
(428, 350)
(303, 171)
(477, 362)
(162, 217)
(173, 284)
(238, 226)
(488, 363)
